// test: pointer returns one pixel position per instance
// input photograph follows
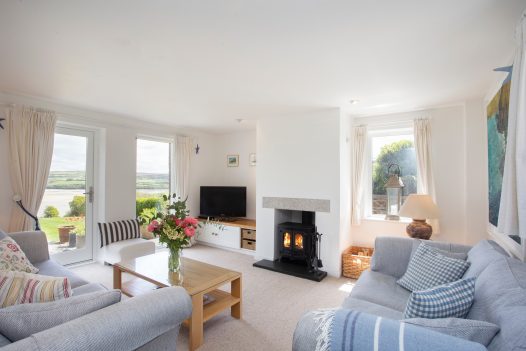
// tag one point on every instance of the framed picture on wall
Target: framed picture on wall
(252, 159)
(497, 110)
(232, 160)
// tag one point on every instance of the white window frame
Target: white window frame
(379, 131)
(170, 141)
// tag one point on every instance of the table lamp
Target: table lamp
(419, 207)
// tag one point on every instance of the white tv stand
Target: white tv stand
(238, 235)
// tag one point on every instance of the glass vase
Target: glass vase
(175, 265)
(174, 260)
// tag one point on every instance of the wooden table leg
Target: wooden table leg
(235, 290)
(117, 278)
(195, 327)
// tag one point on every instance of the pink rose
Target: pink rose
(153, 226)
(189, 231)
(178, 222)
(191, 221)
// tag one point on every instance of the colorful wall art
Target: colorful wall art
(497, 116)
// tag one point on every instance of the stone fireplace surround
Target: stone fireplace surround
(291, 210)
(288, 209)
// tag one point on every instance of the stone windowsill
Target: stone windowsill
(381, 218)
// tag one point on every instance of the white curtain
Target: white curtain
(425, 182)
(31, 135)
(183, 151)
(512, 213)
(358, 170)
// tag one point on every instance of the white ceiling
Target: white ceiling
(207, 63)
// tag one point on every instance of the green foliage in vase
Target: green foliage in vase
(173, 225)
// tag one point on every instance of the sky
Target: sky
(69, 154)
(153, 157)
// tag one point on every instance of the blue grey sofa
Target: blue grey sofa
(500, 291)
(147, 322)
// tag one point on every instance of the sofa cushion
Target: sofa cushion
(21, 288)
(12, 258)
(88, 288)
(496, 281)
(481, 255)
(391, 255)
(21, 321)
(2, 234)
(381, 289)
(372, 308)
(4, 341)
(127, 250)
(120, 230)
(52, 268)
(478, 331)
(450, 250)
(500, 298)
(429, 268)
(448, 300)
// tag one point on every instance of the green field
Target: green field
(50, 225)
(77, 180)
(152, 181)
(66, 180)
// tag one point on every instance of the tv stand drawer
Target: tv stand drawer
(226, 236)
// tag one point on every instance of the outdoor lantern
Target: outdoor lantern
(394, 188)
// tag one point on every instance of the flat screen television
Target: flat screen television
(223, 201)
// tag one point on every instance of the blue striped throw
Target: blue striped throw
(448, 300)
(355, 331)
(429, 268)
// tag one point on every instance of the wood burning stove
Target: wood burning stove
(297, 241)
(297, 245)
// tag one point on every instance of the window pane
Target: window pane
(63, 209)
(387, 150)
(153, 173)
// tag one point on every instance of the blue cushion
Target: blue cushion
(429, 268)
(448, 300)
(469, 329)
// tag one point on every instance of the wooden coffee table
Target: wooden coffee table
(151, 272)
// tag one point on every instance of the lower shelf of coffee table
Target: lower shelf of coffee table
(221, 300)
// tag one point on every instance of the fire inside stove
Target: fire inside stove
(286, 240)
(298, 241)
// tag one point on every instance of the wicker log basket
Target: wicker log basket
(355, 260)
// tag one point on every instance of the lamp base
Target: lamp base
(419, 229)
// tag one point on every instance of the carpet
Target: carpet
(272, 302)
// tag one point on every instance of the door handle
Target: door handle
(90, 194)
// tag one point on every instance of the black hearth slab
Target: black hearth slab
(291, 269)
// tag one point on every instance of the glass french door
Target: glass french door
(66, 212)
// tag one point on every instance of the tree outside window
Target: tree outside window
(387, 150)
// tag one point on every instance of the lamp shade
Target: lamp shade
(418, 206)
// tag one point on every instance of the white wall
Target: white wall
(299, 157)
(209, 167)
(345, 181)
(476, 159)
(449, 145)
